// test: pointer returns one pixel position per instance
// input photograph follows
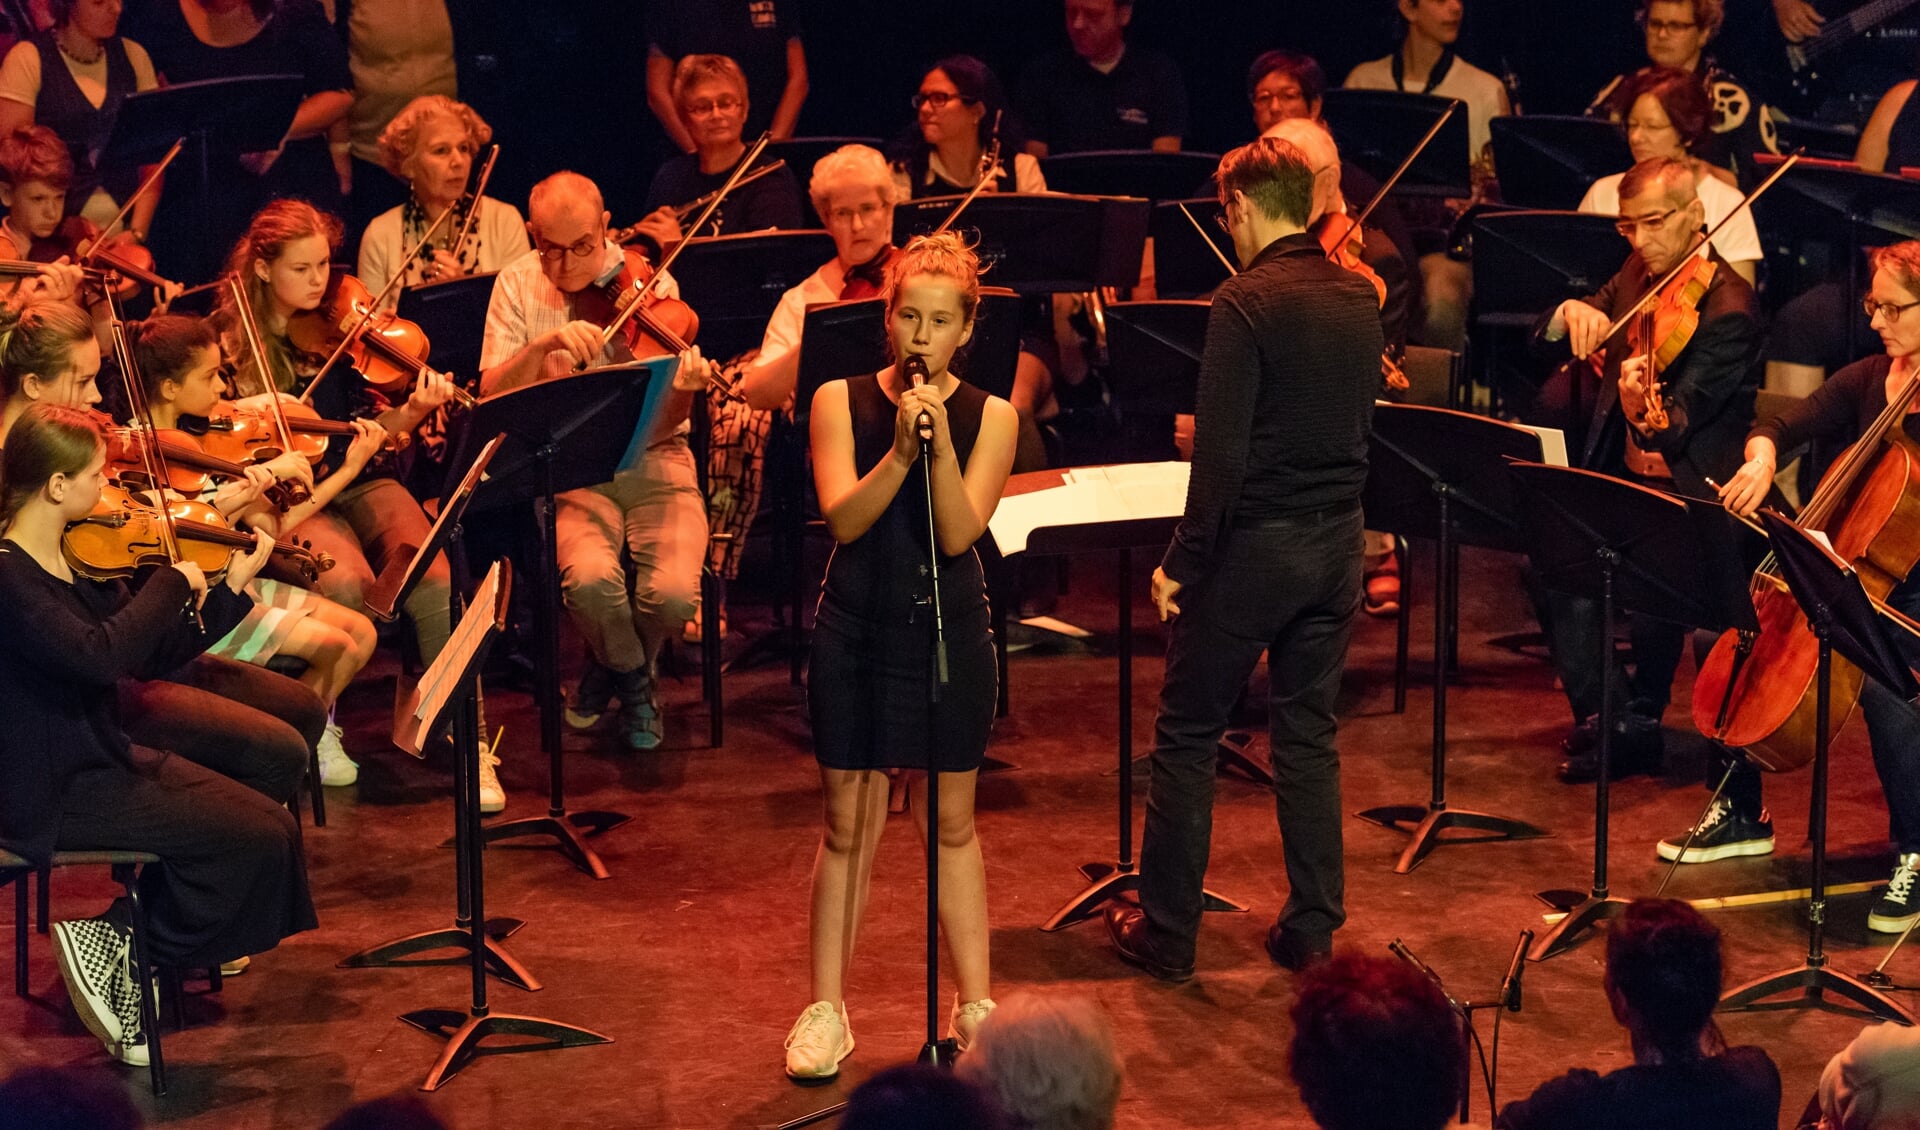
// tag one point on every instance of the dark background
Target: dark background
(568, 87)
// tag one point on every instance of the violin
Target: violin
(251, 435)
(388, 350)
(648, 324)
(80, 241)
(1664, 329)
(124, 535)
(191, 469)
(1343, 243)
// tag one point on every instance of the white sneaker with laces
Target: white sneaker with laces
(493, 798)
(336, 768)
(818, 1041)
(963, 1024)
(1898, 905)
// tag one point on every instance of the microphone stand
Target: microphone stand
(1508, 999)
(935, 1051)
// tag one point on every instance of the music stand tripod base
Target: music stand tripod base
(570, 832)
(1583, 912)
(1427, 824)
(1113, 882)
(1810, 984)
(400, 953)
(466, 1034)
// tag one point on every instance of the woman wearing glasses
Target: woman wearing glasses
(1669, 115)
(1840, 411)
(959, 105)
(710, 95)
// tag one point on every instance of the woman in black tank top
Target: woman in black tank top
(872, 657)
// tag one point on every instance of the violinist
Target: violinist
(431, 146)
(630, 550)
(1840, 411)
(710, 97)
(179, 360)
(282, 262)
(1708, 392)
(232, 880)
(246, 722)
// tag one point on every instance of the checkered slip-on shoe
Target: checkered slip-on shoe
(92, 955)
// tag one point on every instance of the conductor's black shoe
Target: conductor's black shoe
(1291, 951)
(1128, 928)
(1638, 748)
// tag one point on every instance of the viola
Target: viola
(389, 351)
(1343, 240)
(191, 469)
(1662, 332)
(653, 324)
(124, 535)
(250, 435)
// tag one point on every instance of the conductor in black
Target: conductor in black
(1266, 558)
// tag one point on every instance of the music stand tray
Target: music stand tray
(735, 281)
(1549, 161)
(1376, 129)
(1528, 261)
(562, 434)
(453, 315)
(1844, 620)
(243, 114)
(1186, 261)
(1154, 351)
(1042, 243)
(1441, 474)
(1144, 173)
(1635, 549)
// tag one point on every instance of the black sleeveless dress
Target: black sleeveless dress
(873, 635)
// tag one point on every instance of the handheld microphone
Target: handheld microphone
(916, 370)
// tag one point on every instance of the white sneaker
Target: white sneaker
(493, 798)
(336, 768)
(963, 1024)
(235, 967)
(819, 1040)
(92, 957)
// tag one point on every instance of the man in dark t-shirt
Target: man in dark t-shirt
(763, 36)
(1103, 93)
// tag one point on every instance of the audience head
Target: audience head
(179, 361)
(51, 1098)
(1678, 30)
(933, 289)
(1049, 1061)
(1098, 28)
(920, 1096)
(1660, 212)
(1437, 21)
(1667, 113)
(285, 259)
(1284, 84)
(38, 170)
(710, 95)
(960, 96)
(1894, 291)
(1663, 976)
(431, 144)
(853, 190)
(1874, 1083)
(395, 1112)
(95, 19)
(56, 455)
(1323, 156)
(567, 219)
(1376, 1046)
(48, 353)
(1266, 191)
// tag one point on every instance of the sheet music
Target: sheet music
(1091, 495)
(441, 681)
(1553, 444)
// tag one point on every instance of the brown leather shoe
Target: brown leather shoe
(1128, 928)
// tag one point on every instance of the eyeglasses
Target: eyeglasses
(938, 99)
(1669, 27)
(707, 106)
(1225, 224)
(1627, 226)
(1892, 310)
(579, 248)
(863, 213)
(1275, 97)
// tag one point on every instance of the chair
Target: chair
(19, 870)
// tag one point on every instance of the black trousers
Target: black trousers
(1290, 588)
(246, 722)
(232, 880)
(1573, 630)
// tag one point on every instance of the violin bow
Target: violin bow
(366, 316)
(1654, 291)
(1211, 245)
(719, 197)
(250, 331)
(479, 191)
(989, 161)
(1433, 131)
(153, 460)
(146, 186)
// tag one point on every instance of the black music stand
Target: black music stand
(801, 153)
(1639, 550)
(1549, 161)
(1441, 474)
(1843, 619)
(1145, 173)
(735, 281)
(453, 314)
(451, 689)
(1042, 244)
(1867, 209)
(384, 603)
(565, 433)
(1376, 129)
(1186, 259)
(1526, 262)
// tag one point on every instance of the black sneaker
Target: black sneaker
(92, 954)
(1898, 906)
(1638, 748)
(590, 697)
(1722, 834)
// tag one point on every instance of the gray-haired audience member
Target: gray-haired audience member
(1050, 1061)
(1874, 1083)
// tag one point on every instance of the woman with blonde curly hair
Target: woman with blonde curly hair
(872, 644)
(432, 145)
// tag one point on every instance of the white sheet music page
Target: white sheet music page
(441, 680)
(1092, 495)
